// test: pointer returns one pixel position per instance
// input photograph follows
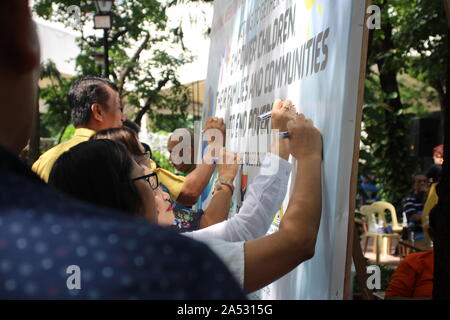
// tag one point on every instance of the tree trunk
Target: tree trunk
(441, 279)
(61, 135)
(393, 123)
(141, 113)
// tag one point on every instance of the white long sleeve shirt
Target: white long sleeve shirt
(262, 201)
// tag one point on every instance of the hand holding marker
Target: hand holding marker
(267, 116)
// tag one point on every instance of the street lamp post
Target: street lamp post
(103, 20)
(99, 61)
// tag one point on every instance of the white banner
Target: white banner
(307, 51)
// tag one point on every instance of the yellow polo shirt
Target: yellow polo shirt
(172, 181)
(431, 201)
(43, 166)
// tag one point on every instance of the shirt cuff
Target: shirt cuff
(273, 165)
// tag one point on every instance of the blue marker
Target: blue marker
(265, 116)
(283, 135)
(268, 115)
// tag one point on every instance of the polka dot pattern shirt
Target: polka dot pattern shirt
(43, 233)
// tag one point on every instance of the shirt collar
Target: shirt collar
(84, 132)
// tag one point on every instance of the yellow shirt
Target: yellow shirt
(43, 166)
(173, 182)
(431, 201)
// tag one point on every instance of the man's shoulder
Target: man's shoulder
(417, 260)
(411, 199)
(119, 256)
(46, 161)
(59, 149)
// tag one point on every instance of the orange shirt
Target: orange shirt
(413, 277)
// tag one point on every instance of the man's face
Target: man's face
(421, 184)
(113, 116)
(438, 159)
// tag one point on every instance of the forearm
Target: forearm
(295, 240)
(262, 201)
(276, 248)
(280, 148)
(218, 209)
(195, 183)
(302, 218)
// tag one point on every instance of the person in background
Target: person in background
(44, 232)
(255, 262)
(137, 129)
(413, 278)
(370, 188)
(413, 205)
(172, 143)
(95, 105)
(434, 177)
(197, 180)
(171, 213)
(438, 155)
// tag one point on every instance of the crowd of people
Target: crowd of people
(99, 202)
(413, 278)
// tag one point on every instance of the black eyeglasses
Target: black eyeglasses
(152, 180)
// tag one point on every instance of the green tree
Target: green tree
(140, 46)
(414, 39)
(386, 152)
(428, 38)
(57, 118)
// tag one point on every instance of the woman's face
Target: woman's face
(164, 208)
(145, 192)
(156, 202)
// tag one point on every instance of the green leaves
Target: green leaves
(145, 53)
(411, 54)
(392, 96)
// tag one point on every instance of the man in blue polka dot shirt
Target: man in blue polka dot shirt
(53, 247)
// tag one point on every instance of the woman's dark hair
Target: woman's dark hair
(434, 173)
(132, 125)
(124, 135)
(98, 172)
(84, 93)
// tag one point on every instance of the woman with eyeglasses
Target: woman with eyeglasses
(255, 260)
(171, 213)
(102, 172)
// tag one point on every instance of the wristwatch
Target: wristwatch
(223, 182)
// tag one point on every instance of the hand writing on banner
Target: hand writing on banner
(218, 124)
(282, 112)
(214, 133)
(305, 141)
(228, 164)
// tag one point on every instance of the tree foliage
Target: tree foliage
(409, 42)
(144, 55)
(57, 117)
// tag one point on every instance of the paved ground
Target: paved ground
(390, 260)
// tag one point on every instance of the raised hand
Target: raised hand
(282, 112)
(304, 139)
(228, 164)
